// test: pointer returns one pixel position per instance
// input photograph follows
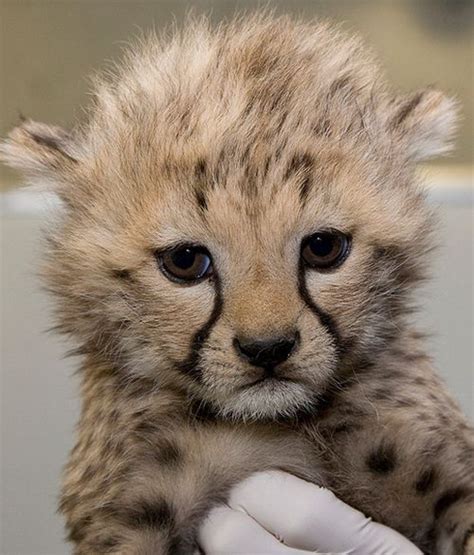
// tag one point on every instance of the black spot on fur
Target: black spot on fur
(339, 84)
(300, 162)
(428, 541)
(405, 402)
(203, 411)
(77, 531)
(322, 128)
(383, 394)
(328, 397)
(136, 388)
(266, 166)
(302, 165)
(200, 169)
(406, 109)
(201, 175)
(52, 143)
(281, 121)
(177, 545)
(346, 428)
(425, 481)
(49, 142)
(449, 498)
(305, 187)
(364, 365)
(113, 446)
(122, 274)
(68, 502)
(383, 459)
(467, 536)
(404, 268)
(149, 514)
(201, 199)
(168, 454)
(245, 155)
(145, 426)
(89, 472)
(105, 545)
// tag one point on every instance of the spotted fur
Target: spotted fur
(246, 139)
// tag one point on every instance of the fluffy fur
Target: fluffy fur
(246, 139)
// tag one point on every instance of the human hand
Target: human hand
(275, 513)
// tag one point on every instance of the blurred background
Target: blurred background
(47, 51)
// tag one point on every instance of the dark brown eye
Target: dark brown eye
(185, 264)
(325, 249)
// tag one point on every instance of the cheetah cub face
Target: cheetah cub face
(241, 218)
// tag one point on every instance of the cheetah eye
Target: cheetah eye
(185, 264)
(325, 249)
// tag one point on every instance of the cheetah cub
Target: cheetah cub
(240, 235)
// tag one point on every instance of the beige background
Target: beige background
(47, 49)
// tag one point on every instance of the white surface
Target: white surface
(39, 395)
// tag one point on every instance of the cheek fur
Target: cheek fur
(164, 320)
(366, 301)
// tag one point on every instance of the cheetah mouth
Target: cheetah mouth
(267, 380)
(268, 398)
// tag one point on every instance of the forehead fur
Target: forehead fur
(230, 106)
(246, 90)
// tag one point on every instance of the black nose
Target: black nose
(266, 353)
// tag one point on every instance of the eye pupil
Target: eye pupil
(325, 249)
(322, 244)
(185, 264)
(183, 258)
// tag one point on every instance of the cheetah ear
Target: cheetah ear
(427, 121)
(41, 152)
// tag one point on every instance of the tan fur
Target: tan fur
(246, 139)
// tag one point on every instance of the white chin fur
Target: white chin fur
(267, 400)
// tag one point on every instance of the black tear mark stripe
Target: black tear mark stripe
(326, 320)
(449, 498)
(383, 459)
(191, 366)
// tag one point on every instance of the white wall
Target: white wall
(39, 402)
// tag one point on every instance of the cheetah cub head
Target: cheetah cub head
(240, 215)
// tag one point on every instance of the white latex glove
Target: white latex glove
(275, 513)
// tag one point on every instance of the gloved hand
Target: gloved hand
(275, 513)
